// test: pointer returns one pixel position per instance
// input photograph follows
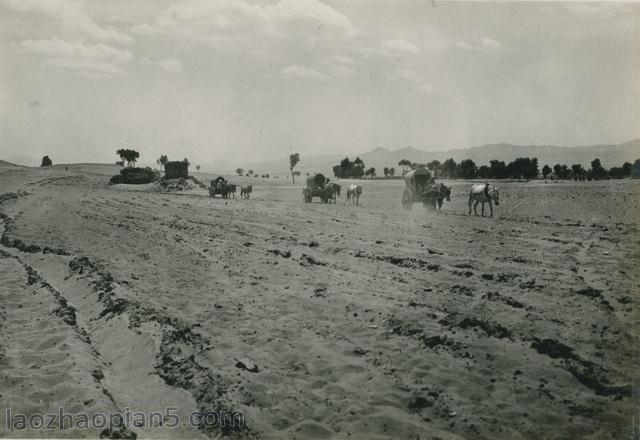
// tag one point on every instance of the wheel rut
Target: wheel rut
(135, 357)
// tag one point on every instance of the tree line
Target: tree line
(521, 168)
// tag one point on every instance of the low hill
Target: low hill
(5, 164)
(24, 160)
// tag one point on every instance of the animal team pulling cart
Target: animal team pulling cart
(317, 186)
(220, 186)
(420, 187)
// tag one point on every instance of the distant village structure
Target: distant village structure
(176, 169)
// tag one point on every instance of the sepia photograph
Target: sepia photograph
(319, 219)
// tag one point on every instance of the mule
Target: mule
(245, 191)
(483, 193)
(353, 193)
(442, 192)
(334, 191)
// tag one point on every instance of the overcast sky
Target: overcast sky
(235, 80)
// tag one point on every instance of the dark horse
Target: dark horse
(442, 192)
(436, 196)
(333, 190)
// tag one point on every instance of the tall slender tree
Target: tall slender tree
(293, 161)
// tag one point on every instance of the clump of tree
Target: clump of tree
(46, 162)
(448, 168)
(596, 172)
(467, 169)
(348, 169)
(162, 160)
(129, 156)
(293, 161)
(626, 170)
(562, 171)
(371, 172)
(523, 168)
(635, 170)
(239, 171)
(577, 172)
(389, 172)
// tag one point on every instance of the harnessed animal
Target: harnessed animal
(483, 193)
(334, 191)
(353, 193)
(245, 191)
(442, 192)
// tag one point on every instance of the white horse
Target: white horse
(483, 193)
(353, 193)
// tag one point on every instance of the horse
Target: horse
(442, 192)
(333, 190)
(232, 189)
(245, 191)
(483, 193)
(353, 193)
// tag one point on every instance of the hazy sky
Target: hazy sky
(234, 80)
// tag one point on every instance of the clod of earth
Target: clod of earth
(418, 403)
(246, 364)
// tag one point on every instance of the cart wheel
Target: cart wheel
(407, 199)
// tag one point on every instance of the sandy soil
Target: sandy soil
(362, 322)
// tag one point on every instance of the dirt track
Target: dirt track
(363, 321)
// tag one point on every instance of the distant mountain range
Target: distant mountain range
(609, 155)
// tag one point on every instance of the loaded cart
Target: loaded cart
(419, 187)
(219, 185)
(316, 187)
